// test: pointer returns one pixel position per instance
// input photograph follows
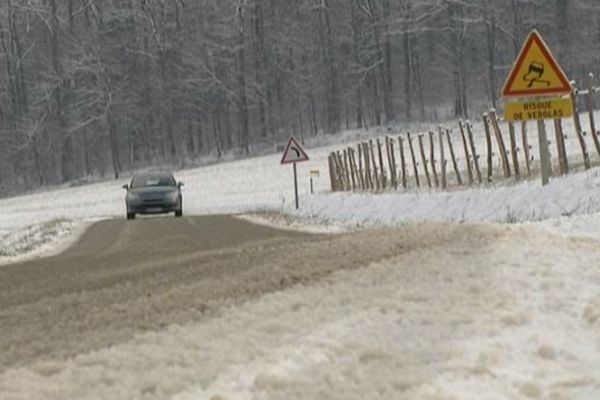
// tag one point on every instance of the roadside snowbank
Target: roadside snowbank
(576, 194)
(39, 240)
(291, 223)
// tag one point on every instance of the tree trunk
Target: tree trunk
(59, 112)
(381, 60)
(406, 39)
(333, 97)
(114, 147)
(490, 18)
(242, 101)
(357, 59)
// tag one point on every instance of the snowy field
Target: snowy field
(35, 224)
(504, 312)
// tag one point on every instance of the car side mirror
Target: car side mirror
(181, 184)
(126, 187)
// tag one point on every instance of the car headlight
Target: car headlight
(173, 196)
(133, 196)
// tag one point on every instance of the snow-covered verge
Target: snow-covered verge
(289, 222)
(44, 239)
(573, 195)
(508, 313)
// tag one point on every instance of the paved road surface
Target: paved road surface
(127, 277)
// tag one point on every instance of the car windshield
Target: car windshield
(153, 180)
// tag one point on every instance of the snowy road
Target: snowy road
(223, 309)
(124, 277)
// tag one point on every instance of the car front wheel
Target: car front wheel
(130, 215)
(179, 211)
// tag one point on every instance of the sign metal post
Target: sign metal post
(293, 154)
(296, 185)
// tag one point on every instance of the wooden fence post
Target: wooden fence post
(392, 162)
(501, 147)
(331, 174)
(352, 169)
(361, 161)
(590, 106)
(361, 176)
(424, 159)
(513, 150)
(355, 164)
(344, 155)
(432, 159)
(358, 176)
(338, 172)
(343, 171)
(454, 164)
(563, 161)
(334, 172)
(402, 161)
(381, 166)
(577, 121)
(374, 165)
(466, 148)
(386, 142)
(368, 175)
(414, 159)
(349, 172)
(348, 151)
(525, 147)
(474, 151)
(488, 142)
(442, 158)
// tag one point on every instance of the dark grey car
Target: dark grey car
(153, 193)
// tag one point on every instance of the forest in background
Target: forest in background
(91, 88)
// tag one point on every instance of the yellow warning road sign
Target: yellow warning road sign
(536, 72)
(538, 109)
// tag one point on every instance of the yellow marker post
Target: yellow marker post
(314, 173)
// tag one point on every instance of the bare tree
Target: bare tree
(93, 88)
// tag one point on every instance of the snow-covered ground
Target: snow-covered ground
(508, 311)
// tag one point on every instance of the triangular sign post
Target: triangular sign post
(294, 153)
(536, 72)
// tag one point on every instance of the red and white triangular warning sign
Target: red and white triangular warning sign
(536, 72)
(293, 153)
